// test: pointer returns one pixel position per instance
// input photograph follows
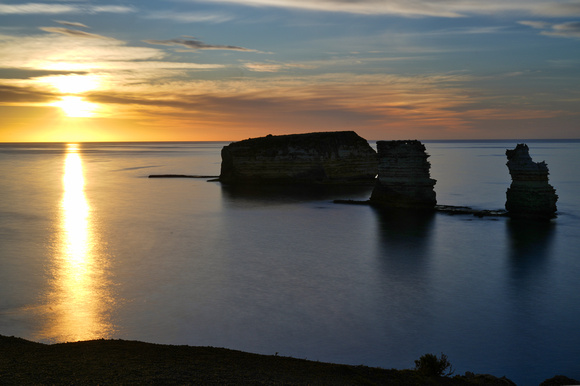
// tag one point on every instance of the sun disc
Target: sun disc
(72, 84)
(76, 107)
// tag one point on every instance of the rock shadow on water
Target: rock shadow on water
(538, 326)
(404, 225)
(404, 238)
(403, 259)
(289, 194)
(529, 246)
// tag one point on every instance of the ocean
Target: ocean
(90, 248)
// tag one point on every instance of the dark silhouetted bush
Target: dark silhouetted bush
(431, 366)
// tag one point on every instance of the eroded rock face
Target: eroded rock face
(327, 157)
(404, 179)
(529, 195)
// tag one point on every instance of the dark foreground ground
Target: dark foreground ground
(117, 362)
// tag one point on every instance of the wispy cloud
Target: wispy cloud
(195, 44)
(15, 95)
(441, 8)
(564, 8)
(36, 8)
(291, 104)
(190, 17)
(468, 31)
(564, 30)
(263, 67)
(72, 32)
(359, 6)
(535, 24)
(385, 104)
(276, 67)
(70, 54)
(376, 99)
(71, 24)
(378, 77)
(71, 50)
(51, 9)
(110, 9)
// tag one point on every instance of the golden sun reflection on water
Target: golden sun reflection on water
(80, 301)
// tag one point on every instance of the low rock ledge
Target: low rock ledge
(447, 209)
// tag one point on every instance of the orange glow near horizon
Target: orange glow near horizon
(80, 300)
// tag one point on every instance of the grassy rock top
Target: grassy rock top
(322, 142)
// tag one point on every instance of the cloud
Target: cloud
(30, 64)
(263, 67)
(535, 24)
(387, 105)
(72, 33)
(564, 30)
(35, 8)
(190, 17)
(376, 100)
(399, 7)
(418, 8)
(558, 8)
(14, 95)
(67, 50)
(276, 67)
(71, 24)
(41, 8)
(195, 44)
(110, 9)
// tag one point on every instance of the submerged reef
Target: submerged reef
(529, 195)
(341, 157)
(404, 180)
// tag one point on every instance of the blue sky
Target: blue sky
(233, 69)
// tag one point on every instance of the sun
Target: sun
(69, 87)
(76, 107)
(71, 84)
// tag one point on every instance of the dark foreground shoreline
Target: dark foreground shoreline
(119, 362)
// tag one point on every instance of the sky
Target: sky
(226, 70)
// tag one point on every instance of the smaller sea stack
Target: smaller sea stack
(404, 180)
(529, 195)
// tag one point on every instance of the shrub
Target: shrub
(431, 366)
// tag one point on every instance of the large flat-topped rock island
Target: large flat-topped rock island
(340, 157)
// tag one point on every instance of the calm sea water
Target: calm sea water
(92, 248)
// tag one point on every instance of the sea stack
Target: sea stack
(404, 180)
(341, 157)
(529, 195)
